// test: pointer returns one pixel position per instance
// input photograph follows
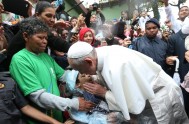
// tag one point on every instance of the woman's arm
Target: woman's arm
(34, 113)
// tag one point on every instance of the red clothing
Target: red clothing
(82, 33)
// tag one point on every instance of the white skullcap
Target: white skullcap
(187, 43)
(79, 49)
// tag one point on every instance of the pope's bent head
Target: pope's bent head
(82, 57)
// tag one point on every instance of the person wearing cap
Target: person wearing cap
(134, 79)
(151, 45)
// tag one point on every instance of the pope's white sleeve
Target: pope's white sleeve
(110, 99)
(175, 25)
(48, 100)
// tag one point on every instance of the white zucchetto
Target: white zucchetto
(79, 49)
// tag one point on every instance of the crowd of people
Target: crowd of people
(63, 70)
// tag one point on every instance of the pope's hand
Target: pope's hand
(85, 105)
(95, 88)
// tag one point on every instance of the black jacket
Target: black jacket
(11, 101)
(154, 48)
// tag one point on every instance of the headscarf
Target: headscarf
(82, 34)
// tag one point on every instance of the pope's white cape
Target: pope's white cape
(130, 75)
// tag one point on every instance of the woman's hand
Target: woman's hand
(85, 105)
(80, 21)
(62, 24)
(126, 42)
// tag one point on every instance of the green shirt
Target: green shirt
(33, 72)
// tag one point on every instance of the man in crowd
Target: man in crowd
(94, 17)
(176, 23)
(150, 44)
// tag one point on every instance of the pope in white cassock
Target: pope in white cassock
(132, 78)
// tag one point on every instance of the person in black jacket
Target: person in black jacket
(151, 45)
(13, 104)
(45, 12)
(176, 48)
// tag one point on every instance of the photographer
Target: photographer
(94, 18)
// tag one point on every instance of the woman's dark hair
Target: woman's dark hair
(41, 6)
(33, 26)
(118, 30)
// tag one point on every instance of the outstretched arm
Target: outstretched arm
(34, 113)
(175, 25)
(48, 100)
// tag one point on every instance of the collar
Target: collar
(156, 39)
(100, 61)
(31, 52)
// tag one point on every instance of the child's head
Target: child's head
(81, 79)
(74, 79)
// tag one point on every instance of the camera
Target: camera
(95, 6)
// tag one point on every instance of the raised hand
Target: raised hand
(1, 8)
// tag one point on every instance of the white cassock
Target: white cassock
(130, 76)
(134, 78)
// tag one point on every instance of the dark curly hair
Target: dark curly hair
(33, 25)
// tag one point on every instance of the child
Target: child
(98, 115)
